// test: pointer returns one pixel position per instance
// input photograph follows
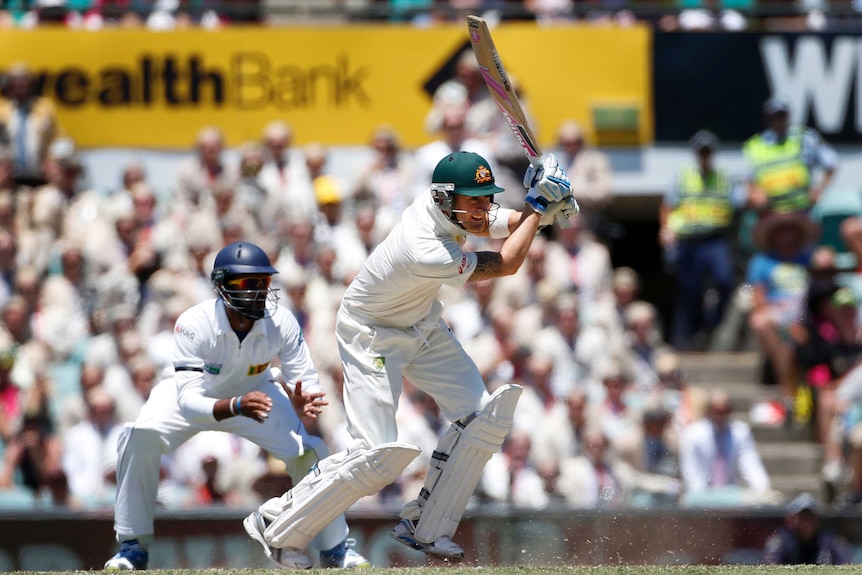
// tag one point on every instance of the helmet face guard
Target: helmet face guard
(241, 277)
(247, 294)
(444, 197)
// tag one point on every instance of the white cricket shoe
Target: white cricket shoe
(443, 548)
(287, 558)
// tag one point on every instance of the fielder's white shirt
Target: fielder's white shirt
(210, 363)
(399, 283)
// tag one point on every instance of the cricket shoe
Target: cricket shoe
(130, 557)
(343, 556)
(443, 548)
(287, 558)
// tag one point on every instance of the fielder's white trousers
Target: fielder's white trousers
(427, 354)
(161, 428)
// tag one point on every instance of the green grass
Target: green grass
(600, 570)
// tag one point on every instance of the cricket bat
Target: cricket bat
(501, 90)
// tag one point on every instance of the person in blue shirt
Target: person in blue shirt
(778, 275)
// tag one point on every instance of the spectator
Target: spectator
(696, 219)
(510, 476)
(778, 274)
(595, 479)
(33, 455)
(31, 124)
(197, 177)
(719, 461)
(90, 451)
(651, 450)
(589, 170)
(250, 192)
(782, 160)
(453, 137)
(643, 340)
(384, 182)
(579, 263)
(285, 178)
(561, 435)
(802, 540)
(686, 403)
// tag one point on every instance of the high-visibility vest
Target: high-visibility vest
(780, 171)
(704, 205)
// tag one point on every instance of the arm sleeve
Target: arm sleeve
(693, 475)
(500, 227)
(295, 357)
(750, 465)
(445, 262)
(194, 404)
(822, 154)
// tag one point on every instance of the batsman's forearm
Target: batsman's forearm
(515, 248)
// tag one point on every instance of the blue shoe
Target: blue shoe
(130, 557)
(343, 556)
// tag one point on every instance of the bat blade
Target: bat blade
(500, 87)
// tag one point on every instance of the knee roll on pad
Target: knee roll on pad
(332, 487)
(458, 462)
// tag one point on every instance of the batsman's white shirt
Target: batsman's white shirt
(211, 363)
(389, 324)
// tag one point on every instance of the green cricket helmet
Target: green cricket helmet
(464, 173)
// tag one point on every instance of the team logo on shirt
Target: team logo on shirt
(379, 366)
(483, 175)
(256, 369)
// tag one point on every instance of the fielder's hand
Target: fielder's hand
(306, 404)
(547, 184)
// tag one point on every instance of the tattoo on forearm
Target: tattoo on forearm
(489, 265)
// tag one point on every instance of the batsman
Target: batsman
(389, 326)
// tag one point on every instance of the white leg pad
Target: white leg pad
(332, 487)
(455, 473)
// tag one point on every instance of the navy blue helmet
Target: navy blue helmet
(241, 277)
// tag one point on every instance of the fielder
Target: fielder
(389, 325)
(222, 379)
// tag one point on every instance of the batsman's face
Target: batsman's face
(472, 212)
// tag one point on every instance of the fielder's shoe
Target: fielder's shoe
(287, 558)
(442, 548)
(343, 556)
(130, 557)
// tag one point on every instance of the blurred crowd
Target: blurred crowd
(92, 280)
(684, 15)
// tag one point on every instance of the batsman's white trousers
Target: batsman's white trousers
(427, 354)
(161, 428)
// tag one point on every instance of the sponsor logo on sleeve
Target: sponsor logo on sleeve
(213, 368)
(463, 263)
(184, 331)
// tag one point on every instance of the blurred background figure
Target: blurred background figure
(719, 461)
(30, 124)
(589, 170)
(802, 540)
(696, 220)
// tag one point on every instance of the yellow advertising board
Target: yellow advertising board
(333, 85)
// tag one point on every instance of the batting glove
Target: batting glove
(547, 183)
(561, 211)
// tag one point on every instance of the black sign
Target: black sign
(719, 82)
